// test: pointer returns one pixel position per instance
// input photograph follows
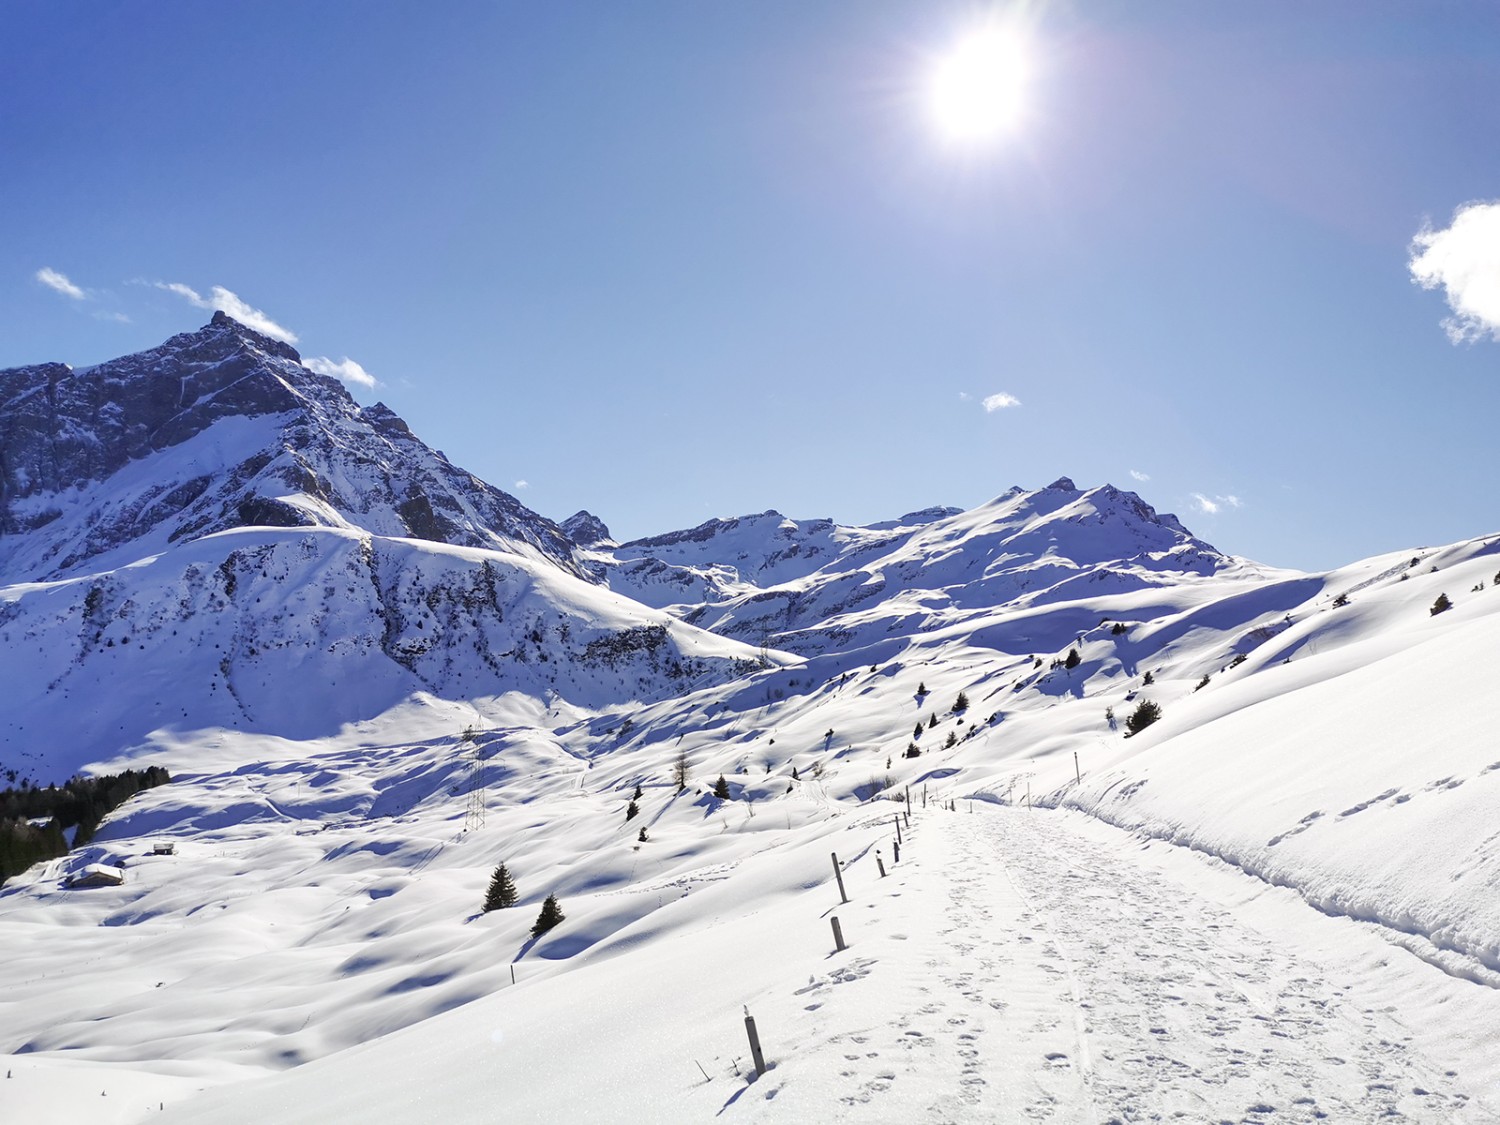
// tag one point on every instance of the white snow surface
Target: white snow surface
(1279, 903)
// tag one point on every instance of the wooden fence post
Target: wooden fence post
(838, 934)
(896, 847)
(760, 1059)
(880, 863)
(838, 873)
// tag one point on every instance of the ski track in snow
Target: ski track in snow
(1058, 980)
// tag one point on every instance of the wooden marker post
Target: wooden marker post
(838, 934)
(897, 821)
(880, 863)
(760, 1059)
(896, 847)
(1077, 777)
(838, 873)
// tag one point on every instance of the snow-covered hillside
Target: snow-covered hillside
(1280, 901)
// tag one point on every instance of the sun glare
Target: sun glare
(976, 91)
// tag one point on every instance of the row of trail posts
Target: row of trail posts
(899, 821)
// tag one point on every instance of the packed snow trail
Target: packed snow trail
(1052, 976)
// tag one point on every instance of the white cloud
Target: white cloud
(1138, 475)
(1465, 260)
(224, 301)
(345, 369)
(964, 396)
(1213, 505)
(117, 317)
(1000, 401)
(521, 485)
(59, 282)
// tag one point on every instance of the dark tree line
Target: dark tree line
(82, 803)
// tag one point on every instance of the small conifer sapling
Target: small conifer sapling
(550, 916)
(502, 890)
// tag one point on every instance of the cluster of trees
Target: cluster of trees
(502, 895)
(80, 803)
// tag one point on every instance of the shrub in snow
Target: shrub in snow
(1341, 601)
(721, 788)
(1073, 659)
(631, 810)
(642, 837)
(550, 916)
(1442, 604)
(1203, 683)
(1149, 680)
(502, 892)
(1145, 713)
(921, 690)
(912, 751)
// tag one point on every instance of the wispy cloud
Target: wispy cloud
(1464, 258)
(114, 317)
(1001, 401)
(344, 369)
(60, 283)
(965, 396)
(224, 301)
(1138, 475)
(1213, 505)
(521, 485)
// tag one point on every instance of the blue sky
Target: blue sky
(669, 261)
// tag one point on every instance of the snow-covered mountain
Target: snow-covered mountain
(217, 429)
(813, 586)
(1283, 897)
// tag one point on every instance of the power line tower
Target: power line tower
(478, 794)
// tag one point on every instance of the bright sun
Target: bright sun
(976, 91)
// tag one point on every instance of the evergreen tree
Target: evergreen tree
(502, 892)
(1145, 713)
(917, 731)
(1149, 680)
(1073, 659)
(932, 723)
(952, 741)
(1440, 605)
(637, 795)
(961, 704)
(721, 789)
(794, 777)
(921, 690)
(631, 810)
(681, 771)
(550, 916)
(642, 837)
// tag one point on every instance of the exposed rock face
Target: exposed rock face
(215, 429)
(586, 529)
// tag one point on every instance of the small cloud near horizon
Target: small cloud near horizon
(1213, 505)
(229, 303)
(58, 282)
(521, 485)
(1136, 474)
(1001, 401)
(345, 370)
(965, 396)
(1463, 258)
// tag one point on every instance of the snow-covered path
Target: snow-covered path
(1054, 975)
